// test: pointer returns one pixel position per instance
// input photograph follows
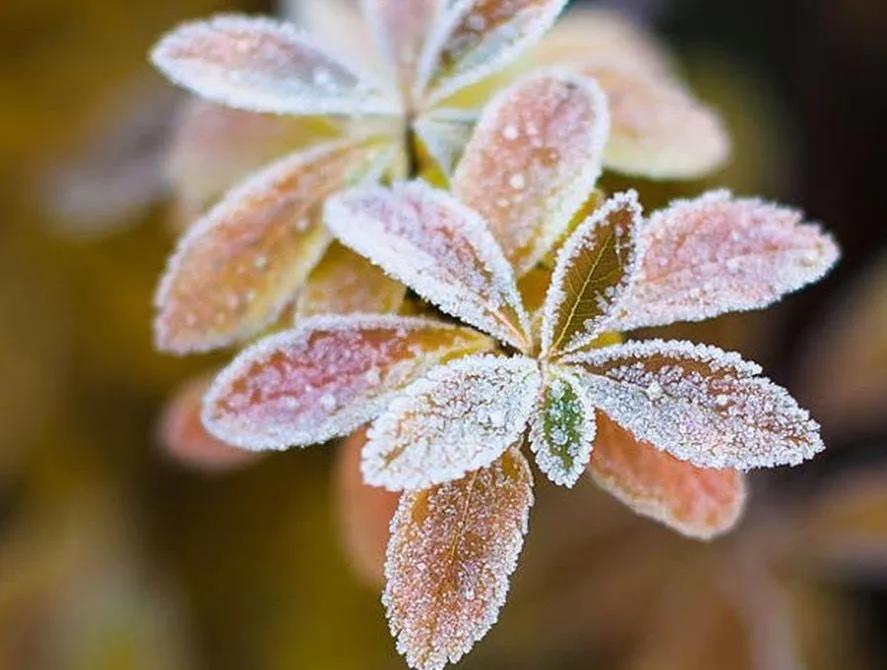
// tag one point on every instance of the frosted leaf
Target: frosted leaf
(326, 377)
(457, 418)
(345, 283)
(328, 21)
(700, 404)
(593, 272)
(444, 134)
(476, 38)
(534, 156)
(601, 37)
(716, 254)
(214, 147)
(442, 250)
(400, 28)
(236, 268)
(657, 129)
(364, 512)
(452, 549)
(261, 65)
(698, 502)
(183, 436)
(562, 429)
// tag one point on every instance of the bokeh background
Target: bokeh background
(114, 555)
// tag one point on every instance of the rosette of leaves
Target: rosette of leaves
(453, 406)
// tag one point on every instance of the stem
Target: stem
(409, 140)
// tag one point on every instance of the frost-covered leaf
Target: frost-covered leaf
(214, 147)
(262, 65)
(326, 377)
(444, 134)
(364, 512)
(563, 428)
(236, 268)
(457, 418)
(658, 129)
(401, 28)
(476, 38)
(717, 254)
(534, 157)
(698, 502)
(184, 437)
(439, 248)
(328, 20)
(699, 403)
(345, 283)
(453, 548)
(594, 270)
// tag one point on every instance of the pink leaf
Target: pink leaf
(326, 377)
(534, 157)
(717, 254)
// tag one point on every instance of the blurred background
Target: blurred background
(114, 554)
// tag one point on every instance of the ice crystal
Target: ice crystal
(534, 156)
(452, 549)
(455, 419)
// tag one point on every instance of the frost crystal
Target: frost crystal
(452, 549)
(716, 254)
(456, 419)
(670, 395)
(262, 65)
(562, 429)
(698, 502)
(326, 377)
(534, 156)
(439, 248)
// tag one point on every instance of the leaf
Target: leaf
(534, 157)
(563, 428)
(698, 403)
(214, 147)
(444, 134)
(477, 38)
(183, 436)
(364, 511)
(716, 254)
(439, 248)
(452, 549)
(592, 274)
(345, 283)
(401, 28)
(237, 267)
(658, 130)
(261, 65)
(326, 377)
(698, 502)
(457, 418)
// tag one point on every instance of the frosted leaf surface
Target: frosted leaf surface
(658, 130)
(535, 155)
(562, 428)
(453, 548)
(364, 512)
(328, 21)
(400, 28)
(261, 65)
(183, 436)
(593, 271)
(326, 377)
(700, 404)
(697, 502)
(442, 250)
(716, 254)
(214, 147)
(345, 283)
(477, 38)
(457, 418)
(444, 134)
(237, 267)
